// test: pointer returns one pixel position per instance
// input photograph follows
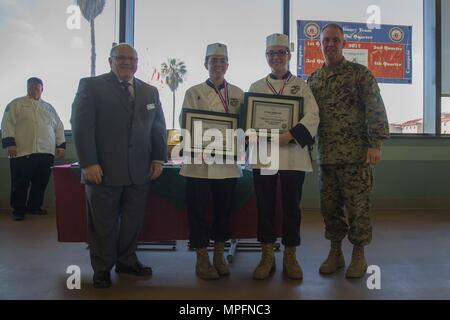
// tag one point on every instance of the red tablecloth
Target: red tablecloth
(162, 221)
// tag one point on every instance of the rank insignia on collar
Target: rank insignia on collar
(295, 89)
(234, 102)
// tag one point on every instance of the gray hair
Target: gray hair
(117, 46)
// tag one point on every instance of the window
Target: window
(404, 102)
(182, 30)
(445, 116)
(445, 101)
(51, 40)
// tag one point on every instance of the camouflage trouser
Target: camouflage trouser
(349, 187)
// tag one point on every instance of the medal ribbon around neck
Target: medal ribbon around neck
(223, 98)
(272, 88)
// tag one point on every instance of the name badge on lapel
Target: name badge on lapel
(150, 106)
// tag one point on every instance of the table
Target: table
(165, 218)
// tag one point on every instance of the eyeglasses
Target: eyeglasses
(124, 58)
(280, 53)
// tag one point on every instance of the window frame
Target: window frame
(432, 52)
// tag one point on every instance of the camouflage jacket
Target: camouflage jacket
(352, 113)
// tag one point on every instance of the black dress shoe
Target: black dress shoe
(102, 280)
(39, 212)
(138, 269)
(18, 215)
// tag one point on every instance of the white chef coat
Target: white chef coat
(292, 156)
(204, 97)
(34, 125)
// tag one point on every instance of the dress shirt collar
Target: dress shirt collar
(211, 84)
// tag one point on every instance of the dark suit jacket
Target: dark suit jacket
(108, 130)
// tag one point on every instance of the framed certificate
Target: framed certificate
(210, 131)
(267, 111)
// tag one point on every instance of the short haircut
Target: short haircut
(113, 50)
(34, 80)
(332, 25)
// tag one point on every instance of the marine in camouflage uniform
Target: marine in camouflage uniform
(353, 124)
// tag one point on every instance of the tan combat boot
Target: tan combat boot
(204, 268)
(334, 261)
(266, 266)
(291, 268)
(358, 265)
(219, 261)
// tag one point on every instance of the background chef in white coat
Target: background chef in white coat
(32, 134)
(294, 161)
(216, 95)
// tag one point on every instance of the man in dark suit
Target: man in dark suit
(120, 136)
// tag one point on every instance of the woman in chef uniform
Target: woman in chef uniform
(294, 161)
(217, 95)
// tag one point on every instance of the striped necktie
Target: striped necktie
(128, 89)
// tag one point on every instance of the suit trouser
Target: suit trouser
(115, 217)
(34, 169)
(266, 195)
(197, 192)
(349, 187)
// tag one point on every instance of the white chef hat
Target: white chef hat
(277, 39)
(219, 49)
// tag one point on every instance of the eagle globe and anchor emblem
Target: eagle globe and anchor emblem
(312, 30)
(396, 34)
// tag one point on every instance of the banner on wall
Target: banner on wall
(386, 51)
